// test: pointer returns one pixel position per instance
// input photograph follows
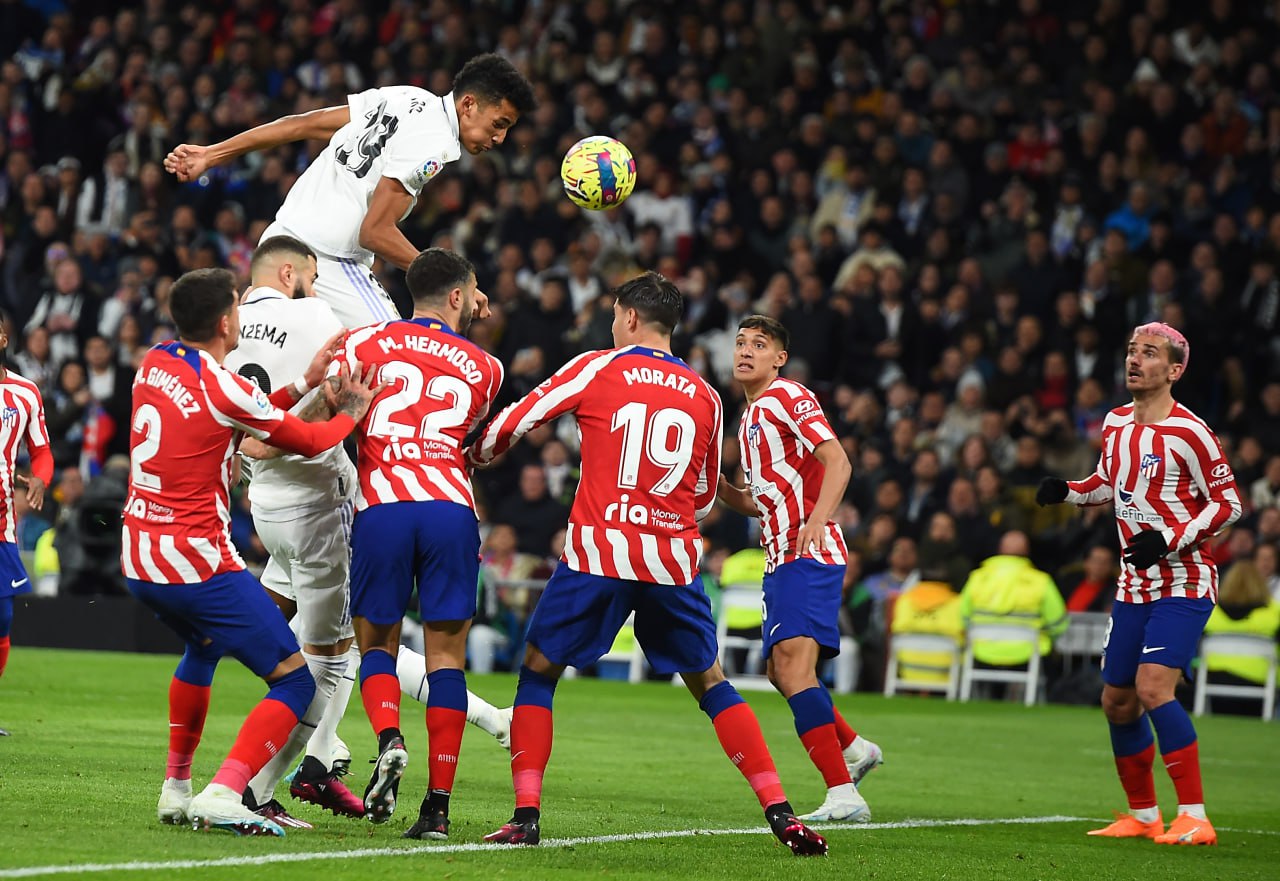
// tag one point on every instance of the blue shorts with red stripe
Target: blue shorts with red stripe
(1165, 632)
(434, 545)
(802, 598)
(579, 614)
(230, 614)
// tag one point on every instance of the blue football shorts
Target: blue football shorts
(579, 614)
(802, 598)
(13, 575)
(230, 614)
(1165, 632)
(434, 545)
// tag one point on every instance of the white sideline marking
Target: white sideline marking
(261, 859)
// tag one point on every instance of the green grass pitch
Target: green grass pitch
(80, 775)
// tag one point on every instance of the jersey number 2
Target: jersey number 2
(665, 439)
(147, 421)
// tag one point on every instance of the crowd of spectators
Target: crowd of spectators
(958, 208)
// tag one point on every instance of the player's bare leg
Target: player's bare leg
(791, 667)
(446, 654)
(531, 738)
(411, 668)
(380, 692)
(742, 741)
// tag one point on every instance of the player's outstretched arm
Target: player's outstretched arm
(189, 161)
(736, 498)
(835, 479)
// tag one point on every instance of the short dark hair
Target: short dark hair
(435, 272)
(199, 299)
(655, 298)
(770, 327)
(277, 246)
(491, 78)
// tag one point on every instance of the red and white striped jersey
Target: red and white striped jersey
(440, 386)
(1170, 476)
(21, 416)
(778, 433)
(651, 431)
(187, 409)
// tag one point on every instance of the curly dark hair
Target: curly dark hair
(491, 78)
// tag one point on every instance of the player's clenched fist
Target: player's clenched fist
(187, 161)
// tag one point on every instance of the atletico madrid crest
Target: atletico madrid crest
(753, 435)
(1149, 465)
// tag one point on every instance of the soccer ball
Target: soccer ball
(598, 173)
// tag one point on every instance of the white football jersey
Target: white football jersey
(400, 132)
(278, 338)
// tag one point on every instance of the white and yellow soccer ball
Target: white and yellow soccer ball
(598, 172)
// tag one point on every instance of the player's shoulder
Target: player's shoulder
(360, 336)
(1118, 416)
(1182, 421)
(794, 399)
(1183, 414)
(17, 381)
(642, 366)
(788, 391)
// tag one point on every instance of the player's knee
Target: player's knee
(1120, 705)
(295, 690)
(1153, 692)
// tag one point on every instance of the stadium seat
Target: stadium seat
(1029, 675)
(744, 597)
(932, 643)
(1240, 645)
(844, 669)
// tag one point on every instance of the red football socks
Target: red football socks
(824, 751)
(4, 653)
(444, 739)
(741, 739)
(1183, 766)
(381, 696)
(261, 736)
(844, 731)
(188, 707)
(1135, 777)
(531, 735)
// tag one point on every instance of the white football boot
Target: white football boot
(842, 803)
(175, 801)
(220, 807)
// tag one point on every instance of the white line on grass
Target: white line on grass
(299, 857)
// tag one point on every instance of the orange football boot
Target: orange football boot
(1188, 830)
(1129, 826)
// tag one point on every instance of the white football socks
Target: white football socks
(411, 670)
(325, 737)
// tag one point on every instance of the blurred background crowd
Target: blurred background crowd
(959, 208)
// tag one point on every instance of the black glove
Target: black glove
(1052, 491)
(1146, 549)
